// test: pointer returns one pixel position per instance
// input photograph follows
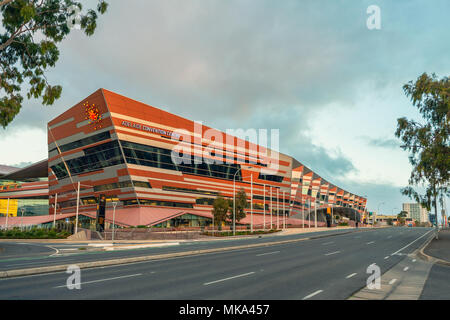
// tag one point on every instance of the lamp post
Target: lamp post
(278, 209)
(54, 213)
(270, 207)
(114, 220)
(284, 211)
(21, 220)
(303, 213)
(309, 213)
(264, 208)
(315, 213)
(7, 213)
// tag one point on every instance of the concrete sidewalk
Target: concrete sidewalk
(440, 249)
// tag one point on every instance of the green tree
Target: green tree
(428, 141)
(241, 204)
(220, 209)
(23, 57)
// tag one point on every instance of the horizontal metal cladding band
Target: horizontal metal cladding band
(93, 264)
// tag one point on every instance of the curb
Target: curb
(420, 253)
(92, 264)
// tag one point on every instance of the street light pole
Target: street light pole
(309, 213)
(7, 213)
(284, 210)
(114, 220)
(251, 203)
(264, 207)
(315, 213)
(54, 213)
(303, 213)
(270, 207)
(78, 204)
(278, 209)
(21, 220)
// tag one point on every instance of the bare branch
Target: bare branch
(4, 2)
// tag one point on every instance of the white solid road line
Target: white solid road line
(312, 294)
(370, 242)
(101, 280)
(264, 254)
(328, 254)
(392, 281)
(238, 276)
(387, 257)
(350, 275)
(411, 242)
(406, 269)
(324, 244)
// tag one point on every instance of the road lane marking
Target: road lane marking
(387, 257)
(389, 237)
(264, 254)
(411, 242)
(329, 254)
(327, 243)
(234, 277)
(405, 269)
(101, 280)
(392, 281)
(370, 242)
(414, 260)
(351, 275)
(312, 294)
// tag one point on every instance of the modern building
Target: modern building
(416, 212)
(23, 191)
(164, 170)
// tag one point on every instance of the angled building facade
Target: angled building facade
(164, 170)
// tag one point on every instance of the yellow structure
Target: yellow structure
(12, 207)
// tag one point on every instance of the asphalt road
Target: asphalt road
(22, 255)
(327, 268)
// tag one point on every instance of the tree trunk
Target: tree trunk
(435, 214)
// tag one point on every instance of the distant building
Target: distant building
(416, 212)
(383, 220)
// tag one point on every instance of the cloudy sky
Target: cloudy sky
(310, 68)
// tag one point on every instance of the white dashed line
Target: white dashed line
(101, 280)
(350, 275)
(264, 254)
(329, 254)
(411, 243)
(327, 243)
(312, 294)
(387, 257)
(392, 281)
(406, 269)
(370, 242)
(238, 276)
(414, 260)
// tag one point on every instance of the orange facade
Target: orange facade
(122, 148)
